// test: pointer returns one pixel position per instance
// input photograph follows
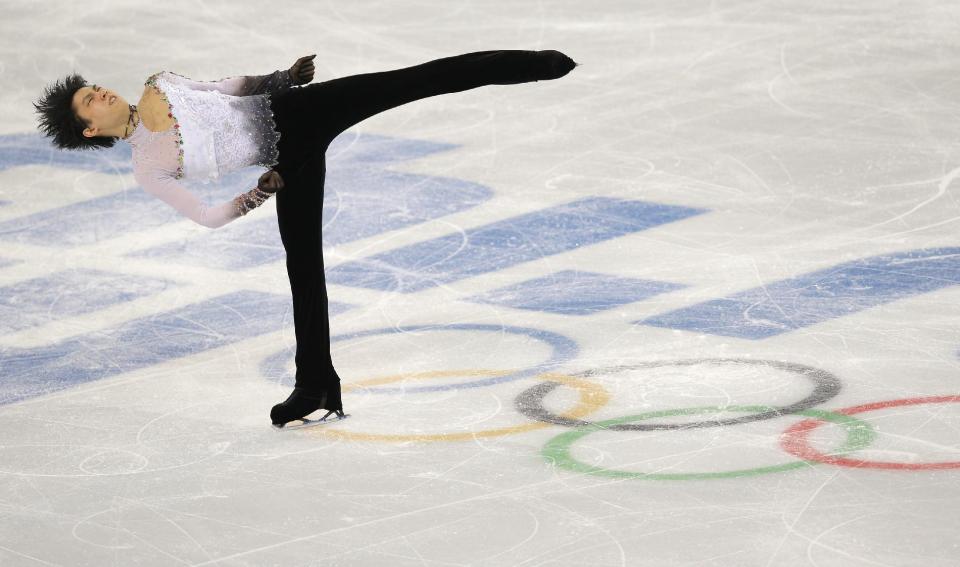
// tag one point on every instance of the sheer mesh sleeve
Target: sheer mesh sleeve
(276, 82)
(166, 188)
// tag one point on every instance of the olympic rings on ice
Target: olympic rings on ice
(592, 397)
(825, 387)
(557, 450)
(563, 350)
(794, 440)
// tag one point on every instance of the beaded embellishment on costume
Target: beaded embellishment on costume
(217, 132)
(152, 82)
(246, 202)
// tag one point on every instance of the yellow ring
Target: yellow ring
(592, 397)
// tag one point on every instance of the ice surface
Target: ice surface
(722, 195)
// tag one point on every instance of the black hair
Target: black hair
(58, 120)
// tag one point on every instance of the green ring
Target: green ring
(557, 450)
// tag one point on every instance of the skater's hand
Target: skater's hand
(270, 182)
(302, 70)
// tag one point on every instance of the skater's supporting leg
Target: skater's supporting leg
(299, 216)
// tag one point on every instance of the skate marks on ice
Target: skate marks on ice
(506, 243)
(139, 343)
(18, 150)
(903, 449)
(143, 342)
(85, 460)
(819, 296)
(36, 301)
(826, 386)
(562, 350)
(791, 422)
(631, 445)
(796, 440)
(559, 450)
(574, 292)
(590, 397)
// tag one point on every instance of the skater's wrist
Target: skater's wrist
(246, 202)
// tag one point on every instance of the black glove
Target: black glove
(270, 182)
(302, 71)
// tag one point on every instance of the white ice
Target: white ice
(813, 134)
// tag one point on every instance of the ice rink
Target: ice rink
(694, 304)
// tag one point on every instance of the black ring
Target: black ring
(826, 386)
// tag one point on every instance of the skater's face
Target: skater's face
(101, 108)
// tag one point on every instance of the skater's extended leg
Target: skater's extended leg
(341, 103)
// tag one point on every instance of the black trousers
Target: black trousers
(309, 118)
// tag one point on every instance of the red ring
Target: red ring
(794, 439)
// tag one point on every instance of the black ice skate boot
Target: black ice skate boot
(302, 403)
(552, 64)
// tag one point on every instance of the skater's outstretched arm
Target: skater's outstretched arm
(300, 73)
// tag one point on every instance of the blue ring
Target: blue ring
(564, 349)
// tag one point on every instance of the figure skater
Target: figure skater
(185, 129)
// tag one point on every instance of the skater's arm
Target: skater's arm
(275, 82)
(300, 73)
(166, 188)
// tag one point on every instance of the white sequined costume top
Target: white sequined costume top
(218, 127)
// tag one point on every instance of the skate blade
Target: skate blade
(305, 423)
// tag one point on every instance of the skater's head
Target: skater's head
(78, 116)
